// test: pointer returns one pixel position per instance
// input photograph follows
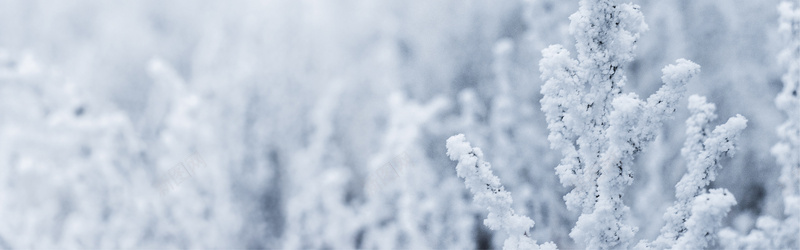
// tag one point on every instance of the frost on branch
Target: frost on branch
(708, 210)
(773, 233)
(489, 193)
(704, 150)
(598, 129)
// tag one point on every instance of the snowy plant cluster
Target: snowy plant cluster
(358, 124)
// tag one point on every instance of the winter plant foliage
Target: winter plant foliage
(599, 130)
(694, 218)
(325, 124)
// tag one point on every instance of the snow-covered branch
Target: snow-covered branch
(708, 210)
(491, 194)
(704, 150)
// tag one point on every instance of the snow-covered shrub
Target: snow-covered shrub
(139, 85)
(692, 221)
(598, 129)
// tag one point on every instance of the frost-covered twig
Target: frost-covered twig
(704, 150)
(489, 193)
(708, 210)
(598, 129)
